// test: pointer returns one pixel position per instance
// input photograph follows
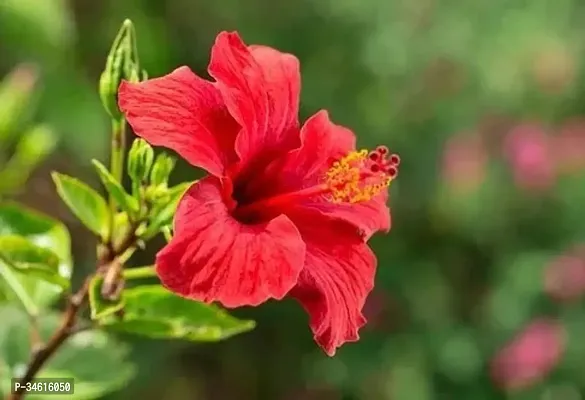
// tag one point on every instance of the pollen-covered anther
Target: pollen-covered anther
(361, 175)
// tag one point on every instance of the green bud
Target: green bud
(134, 77)
(163, 166)
(122, 63)
(140, 158)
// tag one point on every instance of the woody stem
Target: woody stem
(75, 305)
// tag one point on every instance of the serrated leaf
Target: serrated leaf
(27, 258)
(153, 311)
(100, 307)
(87, 204)
(124, 200)
(45, 233)
(94, 359)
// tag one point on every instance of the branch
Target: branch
(66, 329)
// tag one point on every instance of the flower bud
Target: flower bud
(140, 159)
(163, 166)
(134, 77)
(122, 63)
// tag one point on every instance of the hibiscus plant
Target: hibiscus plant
(285, 210)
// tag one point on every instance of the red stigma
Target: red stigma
(374, 156)
(395, 159)
(382, 150)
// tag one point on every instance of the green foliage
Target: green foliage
(38, 248)
(16, 91)
(28, 148)
(22, 255)
(114, 188)
(34, 146)
(153, 311)
(84, 202)
(94, 359)
(461, 272)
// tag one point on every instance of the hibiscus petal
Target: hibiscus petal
(185, 113)
(261, 88)
(338, 275)
(368, 217)
(321, 136)
(323, 142)
(213, 257)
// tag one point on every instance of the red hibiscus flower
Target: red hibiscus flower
(285, 210)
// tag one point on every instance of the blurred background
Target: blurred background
(480, 281)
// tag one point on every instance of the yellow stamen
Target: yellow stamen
(353, 179)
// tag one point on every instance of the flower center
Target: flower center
(355, 178)
(361, 175)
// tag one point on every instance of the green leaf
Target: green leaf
(34, 146)
(100, 307)
(13, 290)
(45, 233)
(27, 258)
(153, 311)
(16, 90)
(124, 200)
(23, 254)
(84, 202)
(95, 360)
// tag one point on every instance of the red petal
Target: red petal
(338, 275)
(320, 135)
(322, 142)
(213, 257)
(261, 88)
(369, 216)
(185, 113)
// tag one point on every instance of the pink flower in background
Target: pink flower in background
(565, 278)
(527, 148)
(568, 146)
(464, 161)
(530, 356)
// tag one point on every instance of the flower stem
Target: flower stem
(140, 272)
(118, 147)
(118, 151)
